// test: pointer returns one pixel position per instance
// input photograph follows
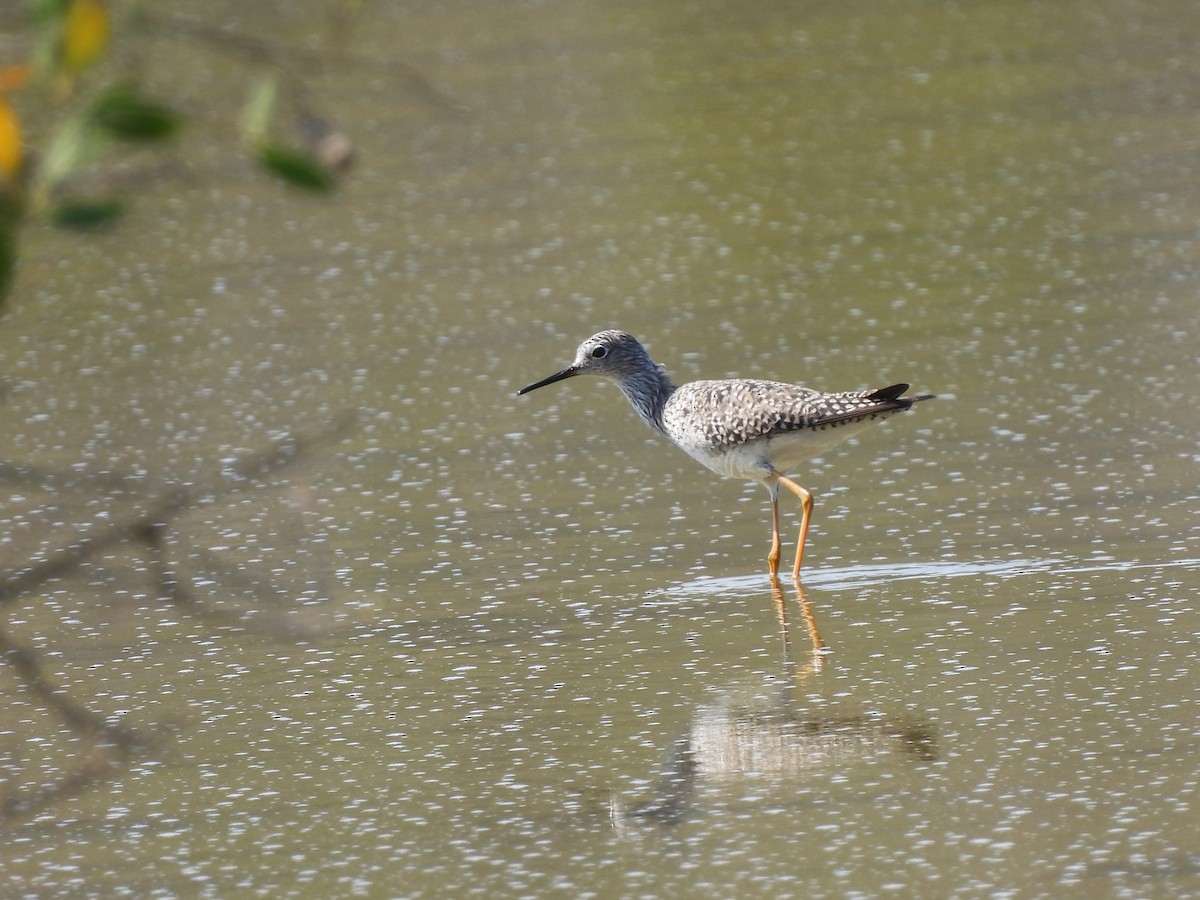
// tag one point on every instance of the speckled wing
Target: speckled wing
(732, 412)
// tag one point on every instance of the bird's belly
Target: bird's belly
(744, 461)
(792, 448)
(755, 460)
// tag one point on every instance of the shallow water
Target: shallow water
(538, 650)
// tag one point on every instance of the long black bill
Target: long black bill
(568, 372)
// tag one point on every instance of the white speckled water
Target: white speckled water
(549, 662)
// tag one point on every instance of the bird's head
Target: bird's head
(610, 354)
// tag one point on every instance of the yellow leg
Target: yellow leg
(806, 503)
(773, 556)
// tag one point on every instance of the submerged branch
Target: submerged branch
(239, 475)
(109, 746)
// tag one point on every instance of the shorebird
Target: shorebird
(738, 427)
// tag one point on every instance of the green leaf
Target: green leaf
(10, 222)
(72, 144)
(260, 107)
(124, 115)
(83, 215)
(295, 168)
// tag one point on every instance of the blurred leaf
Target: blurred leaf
(295, 168)
(84, 35)
(126, 116)
(71, 145)
(10, 222)
(87, 214)
(10, 144)
(260, 107)
(47, 11)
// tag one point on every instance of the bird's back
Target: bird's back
(744, 428)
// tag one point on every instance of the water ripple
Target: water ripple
(856, 577)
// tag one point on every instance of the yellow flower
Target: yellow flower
(85, 34)
(10, 143)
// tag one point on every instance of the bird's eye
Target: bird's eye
(599, 352)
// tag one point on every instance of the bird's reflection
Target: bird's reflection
(780, 733)
(817, 652)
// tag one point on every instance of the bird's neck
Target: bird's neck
(648, 391)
